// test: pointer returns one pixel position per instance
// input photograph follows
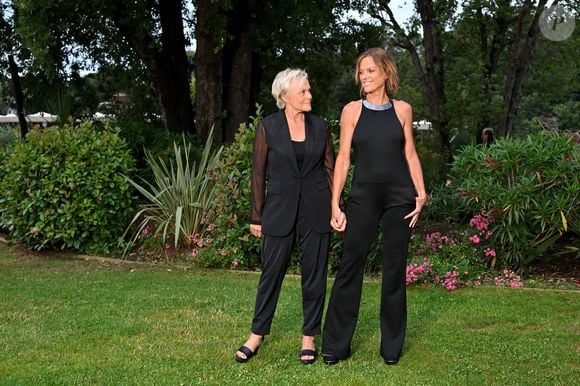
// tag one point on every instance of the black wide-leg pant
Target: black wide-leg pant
(313, 248)
(367, 204)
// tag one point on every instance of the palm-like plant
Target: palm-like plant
(180, 195)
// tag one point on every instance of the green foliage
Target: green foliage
(180, 196)
(64, 188)
(8, 134)
(529, 186)
(433, 161)
(568, 114)
(233, 241)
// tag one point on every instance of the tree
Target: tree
(241, 46)
(426, 53)
(105, 30)
(522, 48)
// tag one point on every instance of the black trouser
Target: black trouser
(370, 203)
(313, 247)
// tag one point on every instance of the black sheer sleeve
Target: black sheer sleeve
(329, 161)
(258, 180)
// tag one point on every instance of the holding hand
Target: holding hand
(256, 230)
(338, 220)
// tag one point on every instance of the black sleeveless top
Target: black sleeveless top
(299, 152)
(378, 145)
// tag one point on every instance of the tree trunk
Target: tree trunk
(434, 68)
(490, 54)
(208, 72)
(167, 65)
(522, 49)
(174, 79)
(239, 55)
(18, 96)
(432, 73)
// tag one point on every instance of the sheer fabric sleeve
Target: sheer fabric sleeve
(329, 161)
(258, 179)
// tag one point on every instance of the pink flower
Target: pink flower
(145, 231)
(235, 263)
(167, 246)
(489, 252)
(223, 252)
(474, 239)
(448, 182)
(194, 252)
(567, 158)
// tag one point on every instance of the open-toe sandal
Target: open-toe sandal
(249, 353)
(307, 352)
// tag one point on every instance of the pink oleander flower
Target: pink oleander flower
(489, 252)
(235, 263)
(474, 239)
(145, 231)
(167, 246)
(223, 252)
(451, 281)
(194, 252)
(448, 182)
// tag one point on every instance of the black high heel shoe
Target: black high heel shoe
(330, 359)
(390, 361)
(249, 353)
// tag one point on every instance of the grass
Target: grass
(86, 322)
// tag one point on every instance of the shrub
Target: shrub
(178, 200)
(461, 257)
(531, 188)
(64, 188)
(233, 243)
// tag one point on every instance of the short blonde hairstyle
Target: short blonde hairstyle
(282, 82)
(385, 62)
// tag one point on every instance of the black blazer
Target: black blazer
(277, 184)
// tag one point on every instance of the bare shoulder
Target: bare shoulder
(402, 106)
(352, 107)
(351, 112)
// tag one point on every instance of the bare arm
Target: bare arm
(405, 113)
(348, 119)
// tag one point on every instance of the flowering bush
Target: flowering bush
(529, 186)
(232, 245)
(461, 259)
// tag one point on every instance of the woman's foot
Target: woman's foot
(308, 351)
(250, 348)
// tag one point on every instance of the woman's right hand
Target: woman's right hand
(338, 220)
(256, 230)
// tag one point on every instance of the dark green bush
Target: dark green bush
(529, 186)
(64, 188)
(233, 245)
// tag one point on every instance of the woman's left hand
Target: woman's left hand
(414, 215)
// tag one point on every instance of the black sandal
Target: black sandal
(307, 352)
(249, 353)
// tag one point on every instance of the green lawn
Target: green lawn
(84, 322)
